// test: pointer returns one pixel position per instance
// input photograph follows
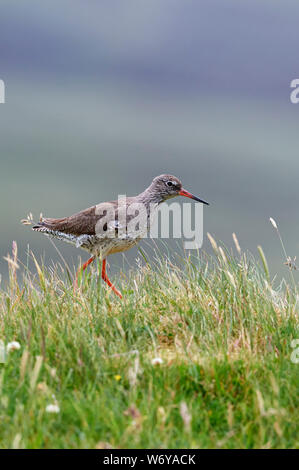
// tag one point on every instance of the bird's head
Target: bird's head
(165, 187)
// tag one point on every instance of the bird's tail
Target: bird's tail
(39, 226)
(50, 228)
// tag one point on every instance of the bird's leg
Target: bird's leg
(83, 269)
(105, 278)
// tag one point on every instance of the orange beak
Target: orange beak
(185, 193)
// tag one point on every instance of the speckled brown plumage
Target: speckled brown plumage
(84, 229)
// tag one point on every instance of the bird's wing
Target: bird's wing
(99, 220)
(82, 223)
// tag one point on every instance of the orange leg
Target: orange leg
(105, 278)
(88, 262)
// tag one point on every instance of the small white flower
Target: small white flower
(157, 361)
(14, 345)
(52, 408)
(273, 222)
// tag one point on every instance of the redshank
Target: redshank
(107, 227)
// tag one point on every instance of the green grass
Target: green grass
(222, 329)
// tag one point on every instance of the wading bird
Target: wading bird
(115, 226)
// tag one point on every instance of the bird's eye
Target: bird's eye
(169, 183)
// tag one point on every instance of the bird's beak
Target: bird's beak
(185, 193)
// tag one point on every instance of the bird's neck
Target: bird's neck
(149, 196)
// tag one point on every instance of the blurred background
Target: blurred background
(101, 96)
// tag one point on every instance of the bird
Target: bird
(113, 226)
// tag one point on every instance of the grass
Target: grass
(222, 329)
